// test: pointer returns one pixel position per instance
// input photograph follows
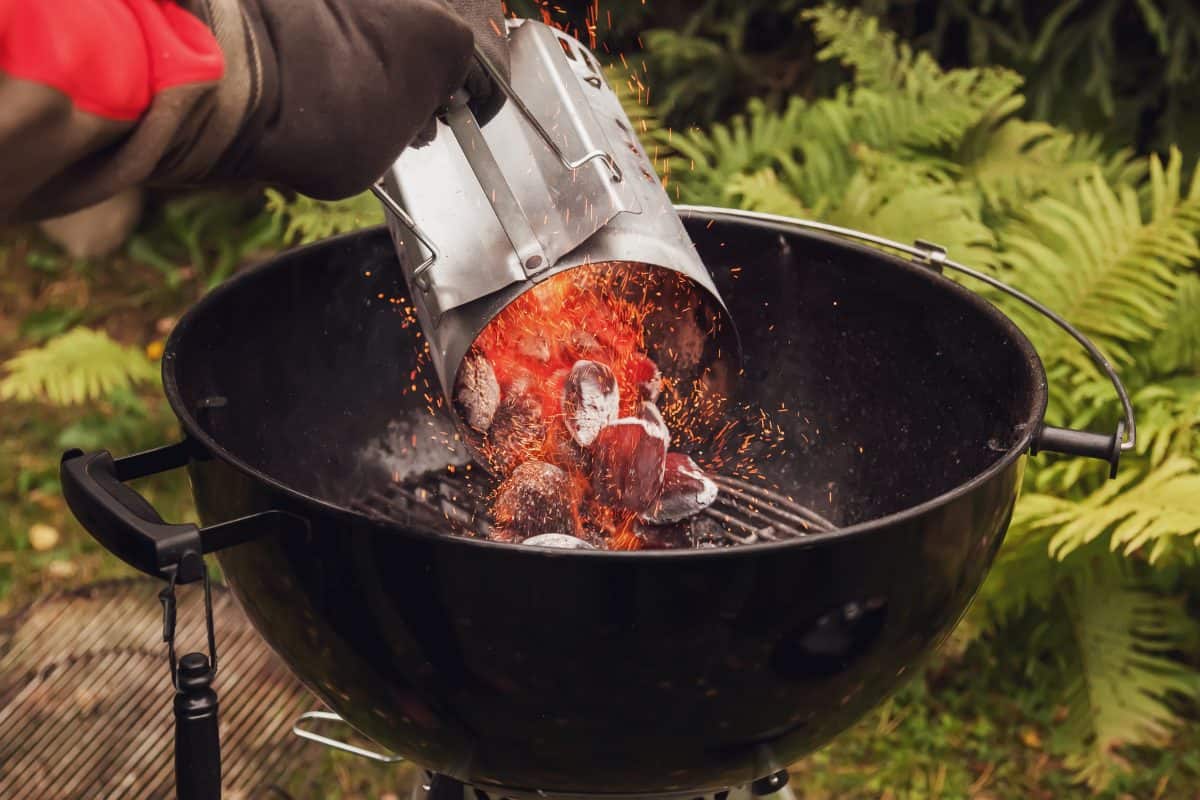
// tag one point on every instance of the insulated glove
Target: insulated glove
(316, 95)
(486, 20)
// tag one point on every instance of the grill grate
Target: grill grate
(743, 513)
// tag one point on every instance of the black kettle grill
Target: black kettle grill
(907, 405)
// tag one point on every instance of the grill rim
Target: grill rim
(194, 432)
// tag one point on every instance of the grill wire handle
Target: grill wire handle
(934, 256)
(614, 169)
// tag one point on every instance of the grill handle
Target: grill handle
(1047, 438)
(93, 485)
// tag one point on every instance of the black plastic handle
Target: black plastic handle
(120, 518)
(129, 527)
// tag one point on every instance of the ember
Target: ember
(590, 401)
(536, 499)
(628, 463)
(477, 393)
(686, 491)
(563, 393)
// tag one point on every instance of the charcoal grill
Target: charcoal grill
(907, 405)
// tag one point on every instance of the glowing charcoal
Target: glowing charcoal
(517, 431)
(590, 400)
(649, 413)
(628, 463)
(584, 346)
(686, 491)
(476, 392)
(535, 346)
(559, 540)
(536, 499)
(581, 344)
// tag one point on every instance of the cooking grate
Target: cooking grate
(743, 513)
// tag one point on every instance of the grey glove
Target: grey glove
(347, 84)
(317, 95)
(486, 21)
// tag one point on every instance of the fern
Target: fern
(1177, 348)
(1136, 513)
(1013, 161)
(209, 231)
(1169, 416)
(900, 202)
(78, 366)
(703, 162)
(906, 93)
(1119, 271)
(763, 191)
(1125, 675)
(309, 220)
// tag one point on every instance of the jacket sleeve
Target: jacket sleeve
(93, 94)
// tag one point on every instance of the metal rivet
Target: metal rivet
(533, 262)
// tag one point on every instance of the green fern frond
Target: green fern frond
(763, 191)
(1100, 264)
(1120, 695)
(310, 220)
(1023, 577)
(80, 365)
(860, 42)
(906, 93)
(705, 162)
(634, 95)
(1177, 348)
(900, 202)
(703, 72)
(1169, 419)
(1014, 161)
(1138, 512)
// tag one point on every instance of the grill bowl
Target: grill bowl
(908, 405)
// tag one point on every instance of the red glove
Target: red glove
(318, 95)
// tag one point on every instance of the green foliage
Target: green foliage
(306, 220)
(1125, 674)
(79, 366)
(1127, 68)
(909, 150)
(204, 234)
(1136, 513)
(1124, 269)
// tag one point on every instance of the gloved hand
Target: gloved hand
(317, 95)
(486, 20)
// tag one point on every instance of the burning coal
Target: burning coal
(561, 397)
